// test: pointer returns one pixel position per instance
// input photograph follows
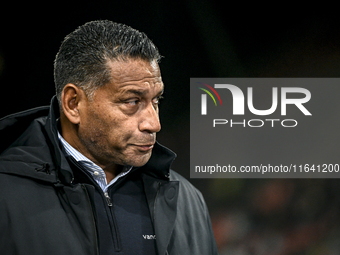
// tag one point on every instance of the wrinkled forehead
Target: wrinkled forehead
(135, 75)
(134, 70)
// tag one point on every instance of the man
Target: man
(86, 175)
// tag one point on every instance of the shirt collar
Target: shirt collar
(96, 171)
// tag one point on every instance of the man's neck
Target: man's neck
(69, 133)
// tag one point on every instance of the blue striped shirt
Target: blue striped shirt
(96, 171)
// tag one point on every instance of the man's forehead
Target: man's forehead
(135, 75)
(142, 88)
(134, 70)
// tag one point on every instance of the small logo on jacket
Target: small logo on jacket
(149, 237)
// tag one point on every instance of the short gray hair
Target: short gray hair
(83, 55)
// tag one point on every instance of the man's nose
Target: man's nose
(150, 119)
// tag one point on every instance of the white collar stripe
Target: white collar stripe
(96, 171)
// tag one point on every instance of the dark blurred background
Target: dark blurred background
(200, 39)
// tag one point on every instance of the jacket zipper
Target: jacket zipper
(113, 222)
(108, 199)
(93, 220)
(109, 212)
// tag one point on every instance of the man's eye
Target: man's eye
(132, 102)
(157, 100)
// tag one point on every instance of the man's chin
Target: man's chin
(140, 160)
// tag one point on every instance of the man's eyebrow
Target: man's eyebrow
(135, 91)
(141, 92)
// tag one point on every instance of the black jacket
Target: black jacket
(43, 212)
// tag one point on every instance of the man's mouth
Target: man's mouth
(144, 147)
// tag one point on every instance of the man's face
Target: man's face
(119, 124)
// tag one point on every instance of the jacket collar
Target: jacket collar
(51, 127)
(160, 162)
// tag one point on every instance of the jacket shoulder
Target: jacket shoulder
(193, 225)
(187, 189)
(174, 176)
(12, 126)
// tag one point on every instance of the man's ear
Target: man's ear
(70, 102)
